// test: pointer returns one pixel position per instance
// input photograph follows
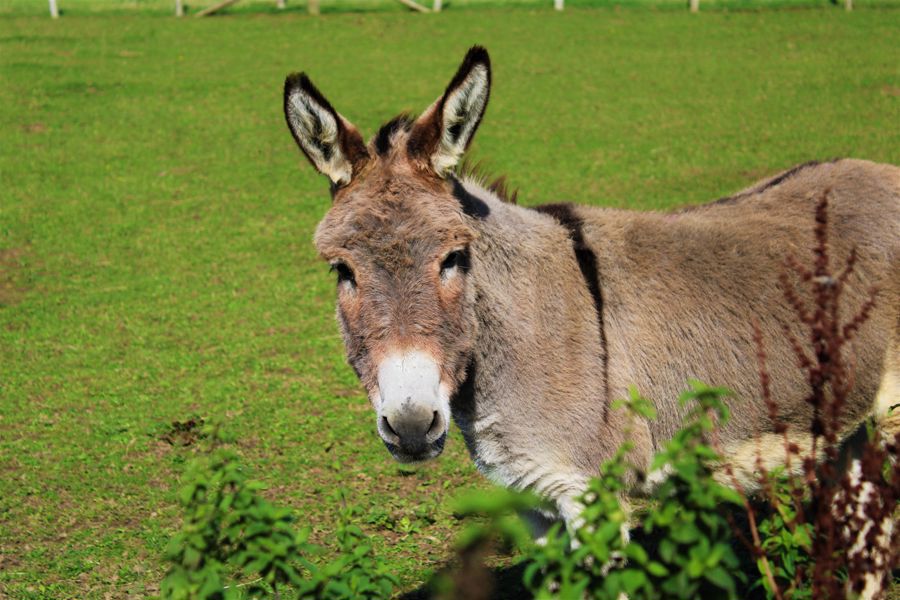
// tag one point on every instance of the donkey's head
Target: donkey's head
(398, 238)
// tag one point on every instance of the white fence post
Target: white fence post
(279, 4)
(179, 8)
(54, 10)
(437, 6)
(558, 4)
(695, 6)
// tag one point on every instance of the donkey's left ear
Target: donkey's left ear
(443, 132)
(330, 142)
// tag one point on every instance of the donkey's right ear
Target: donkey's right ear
(330, 142)
(441, 135)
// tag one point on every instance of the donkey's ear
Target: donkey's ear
(444, 131)
(330, 142)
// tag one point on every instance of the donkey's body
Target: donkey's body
(676, 296)
(527, 323)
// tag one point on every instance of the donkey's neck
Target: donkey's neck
(539, 348)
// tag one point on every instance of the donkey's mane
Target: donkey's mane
(474, 171)
(468, 169)
(760, 186)
(385, 137)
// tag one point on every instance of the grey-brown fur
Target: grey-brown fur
(533, 357)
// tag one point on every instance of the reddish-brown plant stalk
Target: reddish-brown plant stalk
(851, 514)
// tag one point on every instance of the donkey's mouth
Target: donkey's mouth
(415, 455)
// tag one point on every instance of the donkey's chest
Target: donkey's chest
(515, 458)
(494, 449)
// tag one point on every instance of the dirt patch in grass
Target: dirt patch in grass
(184, 433)
(12, 287)
(34, 128)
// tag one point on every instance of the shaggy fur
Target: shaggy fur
(560, 310)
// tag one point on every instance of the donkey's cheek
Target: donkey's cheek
(354, 345)
(451, 295)
(348, 311)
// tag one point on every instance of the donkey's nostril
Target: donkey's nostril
(388, 428)
(435, 423)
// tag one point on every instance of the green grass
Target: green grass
(156, 222)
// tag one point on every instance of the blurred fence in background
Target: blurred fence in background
(194, 7)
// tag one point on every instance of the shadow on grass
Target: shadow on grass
(505, 583)
(498, 583)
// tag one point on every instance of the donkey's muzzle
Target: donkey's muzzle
(413, 408)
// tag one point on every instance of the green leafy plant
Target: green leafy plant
(695, 545)
(232, 534)
(230, 530)
(786, 542)
(356, 573)
(557, 571)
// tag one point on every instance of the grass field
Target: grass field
(156, 219)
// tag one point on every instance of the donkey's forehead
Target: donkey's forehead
(390, 216)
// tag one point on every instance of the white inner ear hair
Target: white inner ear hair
(462, 111)
(317, 131)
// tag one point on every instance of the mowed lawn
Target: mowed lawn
(156, 262)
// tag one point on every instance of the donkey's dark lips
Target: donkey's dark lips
(433, 450)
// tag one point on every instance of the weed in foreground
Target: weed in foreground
(829, 535)
(235, 544)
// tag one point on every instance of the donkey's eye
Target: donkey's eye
(344, 273)
(458, 259)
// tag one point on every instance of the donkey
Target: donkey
(524, 324)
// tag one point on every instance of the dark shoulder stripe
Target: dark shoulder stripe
(566, 216)
(564, 213)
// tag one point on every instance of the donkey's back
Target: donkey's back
(683, 290)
